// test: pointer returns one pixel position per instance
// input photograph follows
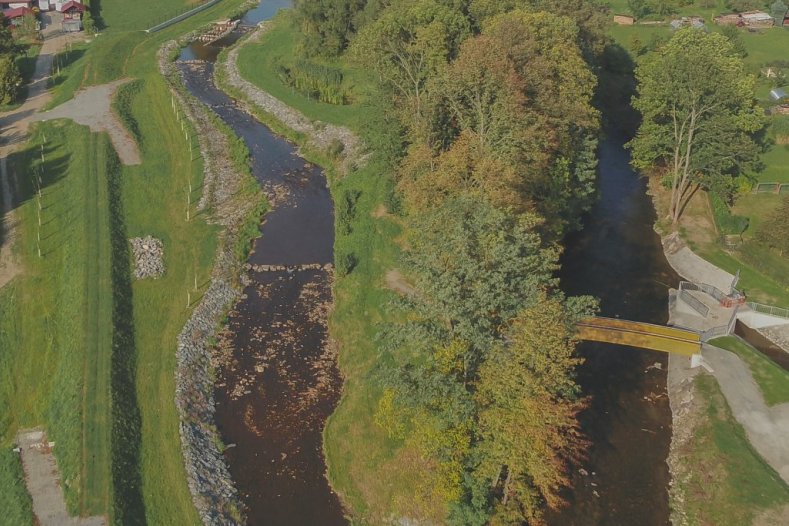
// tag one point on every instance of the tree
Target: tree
(528, 399)
(327, 26)
(774, 232)
(10, 79)
(699, 116)
(778, 11)
(639, 8)
(407, 45)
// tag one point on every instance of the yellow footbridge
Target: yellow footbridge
(637, 334)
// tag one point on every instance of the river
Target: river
(278, 380)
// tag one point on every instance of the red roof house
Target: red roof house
(72, 9)
(17, 12)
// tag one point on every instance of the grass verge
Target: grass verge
(726, 482)
(772, 379)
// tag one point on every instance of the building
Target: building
(72, 16)
(16, 14)
(16, 4)
(624, 20)
(755, 19)
(695, 22)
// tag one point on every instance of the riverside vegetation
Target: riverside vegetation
(83, 350)
(468, 190)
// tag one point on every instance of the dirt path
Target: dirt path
(43, 482)
(13, 126)
(92, 107)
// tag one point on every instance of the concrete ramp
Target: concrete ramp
(638, 334)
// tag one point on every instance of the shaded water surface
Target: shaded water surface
(618, 258)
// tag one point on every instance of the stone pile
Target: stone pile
(148, 254)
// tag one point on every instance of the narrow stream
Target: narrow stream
(277, 378)
(278, 381)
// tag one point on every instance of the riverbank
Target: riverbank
(711, 455)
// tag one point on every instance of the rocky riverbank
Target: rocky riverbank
(210, 483)
(322, 136)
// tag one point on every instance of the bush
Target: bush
(728, 224)
(315, 81)
(122, 104)
(345, 262)
(346, 210)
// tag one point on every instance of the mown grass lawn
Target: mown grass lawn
(55, 367)
(772, 379)
(122, 15)
(728, 483)
(54, 346)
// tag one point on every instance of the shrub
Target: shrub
(346, 210)
(315, 81)
(728, 223)
(345, 262)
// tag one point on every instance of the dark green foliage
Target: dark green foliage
(345, 262)
(740, 6)
(775, 231)
(346, 210)
(735, 38)
(10, 79)
(328, 26)
(316, 81)
(128, 504)
(122, 104)
(727, 223)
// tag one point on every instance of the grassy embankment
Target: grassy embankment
(764, 274)
(75, 305)
(772, 379)
(727, 483)
(374, 474)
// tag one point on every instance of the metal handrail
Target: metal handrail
(694, 303)
(779, 312)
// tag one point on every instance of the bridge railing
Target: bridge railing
(708, 289)
(723, 330)
(769, 309)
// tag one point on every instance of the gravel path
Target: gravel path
(43, 482)
(92, 107)
(694, 268)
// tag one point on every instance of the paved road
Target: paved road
(43, 482)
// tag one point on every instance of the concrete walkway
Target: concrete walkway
(43, 482)
(767, 427)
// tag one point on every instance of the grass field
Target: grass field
(259, 63)
(58, 330)
(727, 483)
(57, 368)
(773, 380)
(120, 15)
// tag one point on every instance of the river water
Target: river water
(278, 379)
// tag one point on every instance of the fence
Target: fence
(182, 15)
(708, 289)
(771, 188)
(723, 330)
(769, 309)
(693, 303)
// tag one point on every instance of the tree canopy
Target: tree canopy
(699, 116)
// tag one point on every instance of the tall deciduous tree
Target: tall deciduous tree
(408, 44)
(774, 232)
(9, 79)
(699, 115)
(527, 420)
